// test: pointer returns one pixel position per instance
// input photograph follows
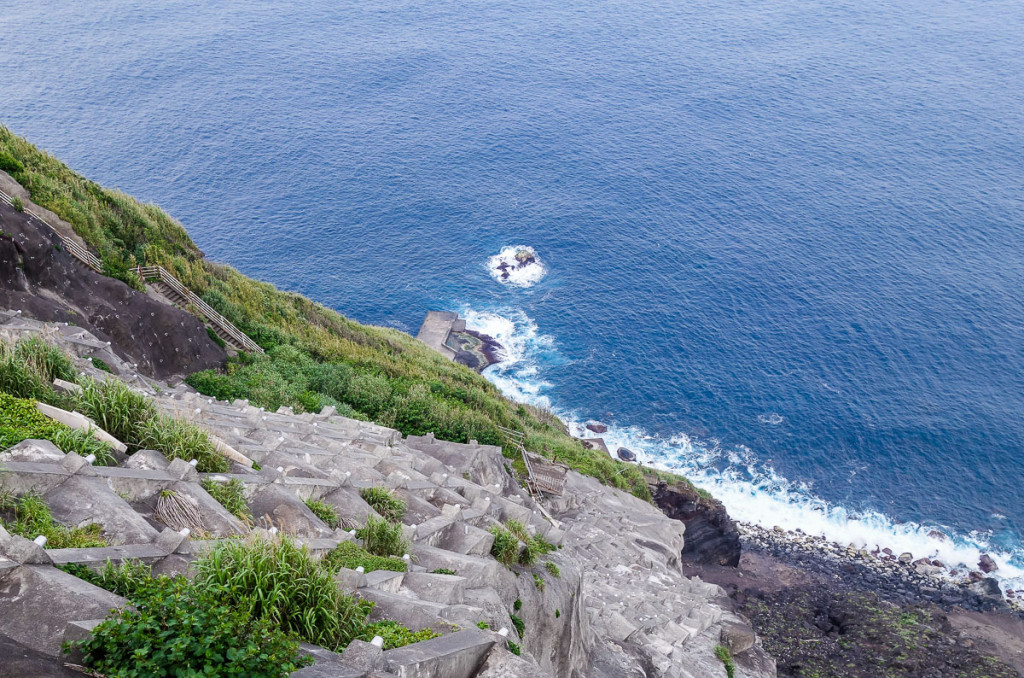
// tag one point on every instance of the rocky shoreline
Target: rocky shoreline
(824, 609)
(898, 576)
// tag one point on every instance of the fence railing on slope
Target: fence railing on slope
(201, 307)
(72, 247)
(543, 475)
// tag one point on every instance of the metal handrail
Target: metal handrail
(161, 274)
(149, 272)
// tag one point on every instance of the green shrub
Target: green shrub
(178, 439)
(382, 538)
(518, 623)
(384, 502)
(482, 625)
(324, 512)
(230, 495)
(30, 517)
(552, 569)
(278, 581)
(538, 581)
(517, 605)
(48, 361)
(396, 635)
(505, 548)
(176, 629)
(558, 613)
(17, 204)
(28, 369)
(725, 656)
(514, 648)
(350, 555)
(442, 570)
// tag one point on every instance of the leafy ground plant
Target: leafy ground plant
(382, 538)
(176, 629)
(552, 569)
(384, 502)
(126, 579)
(278, 581)
(20, 420)
(396, 635)
(350, 555)
(725, 656)
(324, 512)
(230, 495)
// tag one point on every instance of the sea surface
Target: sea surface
(782, 243)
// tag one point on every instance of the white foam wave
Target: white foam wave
(752, 490)
(507, 266)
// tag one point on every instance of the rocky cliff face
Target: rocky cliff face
(46, 283)
(711, 535)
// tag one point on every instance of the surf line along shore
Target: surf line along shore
(446, 333)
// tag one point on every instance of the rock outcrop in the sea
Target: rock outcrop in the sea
(712, 537)
(40, 279)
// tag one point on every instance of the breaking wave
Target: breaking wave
(751, 489)
(516, 265)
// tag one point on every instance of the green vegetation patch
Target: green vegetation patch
(230, 495)
(725, 656)
(174, 628)
(350, 555)
(396, 635)
(324, 512)
(382, 538)
(178, 439)
(280, 582)
(384, 502)
(29, 517)
(20, 420)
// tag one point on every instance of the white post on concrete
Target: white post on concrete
(377, 641)
(40, 540)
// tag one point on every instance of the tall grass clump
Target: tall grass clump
(178, 439)
(505, 547)
(28, 368)
(324, 512)
(117, 409)
(230, 495)
(382, 538)
(280, 582)
(384, 502)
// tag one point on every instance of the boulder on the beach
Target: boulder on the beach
(737, 637)
(906, 557)
(626, 454)
(935, 534)
(986, 564)
(597, 428)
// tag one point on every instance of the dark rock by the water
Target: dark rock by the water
(711, 535)
(597, 428)
(986, 564)
(626, 454)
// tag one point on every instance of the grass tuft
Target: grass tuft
(384, 502)
(382, 538)
(350, 555)
(324, 512)
(230, 495)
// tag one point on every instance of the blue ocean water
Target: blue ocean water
(783, 242)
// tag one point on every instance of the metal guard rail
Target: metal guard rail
(73, 248)
(161, 274)
(149, 272)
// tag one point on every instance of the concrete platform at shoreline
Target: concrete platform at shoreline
(436, 328)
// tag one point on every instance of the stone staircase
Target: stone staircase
(619, 597)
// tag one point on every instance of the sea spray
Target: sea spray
(752, 490)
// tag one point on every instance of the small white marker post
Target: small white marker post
(503, 632)
(90, 458)
(377, 641)
(40, 540)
